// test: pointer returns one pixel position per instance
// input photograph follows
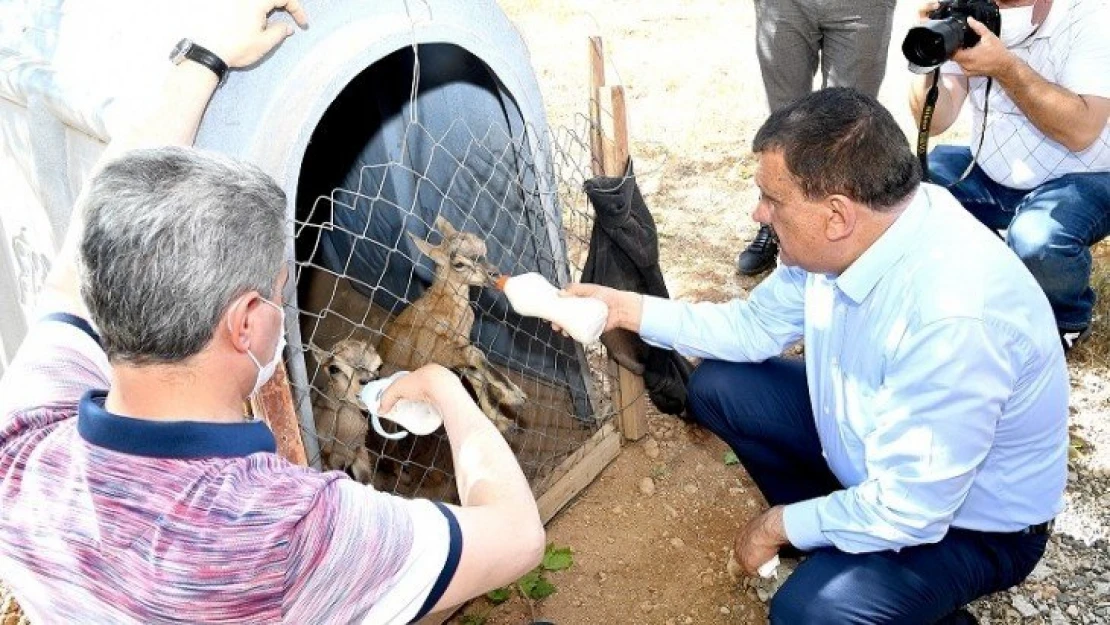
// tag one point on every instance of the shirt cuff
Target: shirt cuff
(660, 320)
(802, 524)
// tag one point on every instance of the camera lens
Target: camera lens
(934, 42)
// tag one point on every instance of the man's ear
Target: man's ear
(842, 215)
(236, 321)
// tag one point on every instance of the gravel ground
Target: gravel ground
(1072, 583)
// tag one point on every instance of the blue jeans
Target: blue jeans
(763, 412)
(1051, 227)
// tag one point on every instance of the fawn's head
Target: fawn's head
(350, 365)
(460, 257)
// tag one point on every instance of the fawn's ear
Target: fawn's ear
(321, 356)
(445, 228)
(429, 250)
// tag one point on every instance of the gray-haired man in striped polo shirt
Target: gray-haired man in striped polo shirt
(131, 488)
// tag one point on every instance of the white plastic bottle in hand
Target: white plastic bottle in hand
(415, 416)
(531, 295)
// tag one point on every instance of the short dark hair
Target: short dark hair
(839, 140)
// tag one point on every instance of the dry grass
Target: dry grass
(1094, 353)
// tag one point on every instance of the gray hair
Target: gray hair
(172, 236)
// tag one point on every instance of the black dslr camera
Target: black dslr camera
(935, 41)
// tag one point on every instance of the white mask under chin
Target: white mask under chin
(1017, 25)
(265, 372)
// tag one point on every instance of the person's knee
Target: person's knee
(810, 604)
(704, 388)
(1035, 237)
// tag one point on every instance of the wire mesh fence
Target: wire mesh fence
(394, 270)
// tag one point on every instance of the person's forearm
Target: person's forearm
(946, 110)
(1057, 112)
(486, 470)
(171, 117)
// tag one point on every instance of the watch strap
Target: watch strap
(204, 56)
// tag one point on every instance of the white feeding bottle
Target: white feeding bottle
(531, 295)
(415, 416)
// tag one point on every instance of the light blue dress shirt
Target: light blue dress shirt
(938, 383)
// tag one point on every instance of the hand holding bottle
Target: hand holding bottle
(625, 307)
(408, 399)
(531, 295)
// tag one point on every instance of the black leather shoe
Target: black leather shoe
(760, 254)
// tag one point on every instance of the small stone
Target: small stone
(1073, 610)
(646, 607)
(687, 620)
(733, 567)
(1022, 605)
(651, 448)
(647, 486)
(671, 512)
(690, 489)
(724, 610)
(677, 543)
(617, 510)
(735, 490)
(1041, 572)
(1058, 618)
(763, 594)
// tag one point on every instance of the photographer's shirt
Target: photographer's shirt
(938, 383)
(109, 519)
(1071, 49)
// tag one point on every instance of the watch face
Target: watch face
(178, 53)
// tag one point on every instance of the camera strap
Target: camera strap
(926, 122)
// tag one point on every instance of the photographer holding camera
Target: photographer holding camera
(1041, 166)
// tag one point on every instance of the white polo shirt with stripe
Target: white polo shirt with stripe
(1071, 49)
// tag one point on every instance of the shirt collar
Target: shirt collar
(181, 440)
(860, 277)
(1055, 18)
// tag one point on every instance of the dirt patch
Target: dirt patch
(649, 558)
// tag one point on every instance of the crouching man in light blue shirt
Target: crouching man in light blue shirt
(919, 453)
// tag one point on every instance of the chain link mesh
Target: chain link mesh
(518, 194)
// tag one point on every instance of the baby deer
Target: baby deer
(436, 327)
(341, 422)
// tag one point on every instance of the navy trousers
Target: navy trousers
(762, 410)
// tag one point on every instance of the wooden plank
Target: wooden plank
(614, 129)
(585, 465)
(630, 397)
(274, 404)
(633, 415)
(596, 54)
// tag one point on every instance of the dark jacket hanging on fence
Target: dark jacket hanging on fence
(624, 254)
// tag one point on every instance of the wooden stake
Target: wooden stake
(609, 155)
(274, 404)
(597, 79)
